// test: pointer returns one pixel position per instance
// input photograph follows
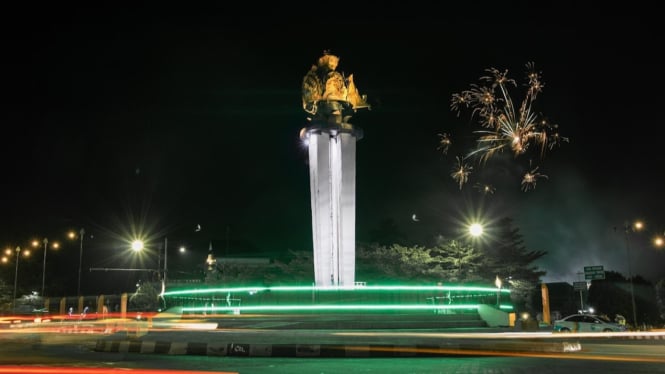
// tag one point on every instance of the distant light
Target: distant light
(137, 245)
(638, 225)
(658, 241)
(304, 137)
(476, 230)
(182, 249)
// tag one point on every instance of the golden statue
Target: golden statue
(327, 94)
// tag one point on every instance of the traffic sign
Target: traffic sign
(594, 272)
(579, 286)
(595, 275)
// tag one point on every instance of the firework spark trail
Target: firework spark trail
(504, 127)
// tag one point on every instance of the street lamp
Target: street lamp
(166, 243)
(658, 241)
(78, 289)
(54, 245)
(138, 245)
(18, 253)
(498, 283)
(475, 230)
(636, 226)
(44, 266)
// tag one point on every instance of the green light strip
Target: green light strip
(327, 307)
(252, 290)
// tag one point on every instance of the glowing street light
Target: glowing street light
(658, 241)
(137, 245)
(476, 230)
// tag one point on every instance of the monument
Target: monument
(330, 99)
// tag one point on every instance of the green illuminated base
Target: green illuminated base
(356, 299)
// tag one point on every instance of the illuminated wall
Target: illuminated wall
(332, 169)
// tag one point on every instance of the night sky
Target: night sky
(152, 121)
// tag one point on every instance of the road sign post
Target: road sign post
(580, 286)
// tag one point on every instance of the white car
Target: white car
(586, 323)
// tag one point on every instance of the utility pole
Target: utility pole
(630, 275)
(78, 289)
(44, 267)
(166, 245)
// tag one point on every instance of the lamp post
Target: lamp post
(638, 225)
(497, 282)
(166, 243)
(18, 252)
(78, 289)
(137, 246)
(54, 245)
(44, 267)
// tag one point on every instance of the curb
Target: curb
(328, 350)
(646, 337)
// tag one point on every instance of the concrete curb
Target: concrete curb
(330, 350)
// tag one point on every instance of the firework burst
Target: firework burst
(529, 179)
(504, 126)
(444, 143)
(461, 172)
(486, 189)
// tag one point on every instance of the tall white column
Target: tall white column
(332, 167)
(347, 209)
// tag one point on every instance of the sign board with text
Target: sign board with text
(594, 272)
(579, 286)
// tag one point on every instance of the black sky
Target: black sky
(156, 120)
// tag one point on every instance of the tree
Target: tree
(5, 295)
(240, 274)
(510, 260)
(459, 262)
(660, 298)
(645, 301)
(396, 264)
(298, 268)
(612, 296)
